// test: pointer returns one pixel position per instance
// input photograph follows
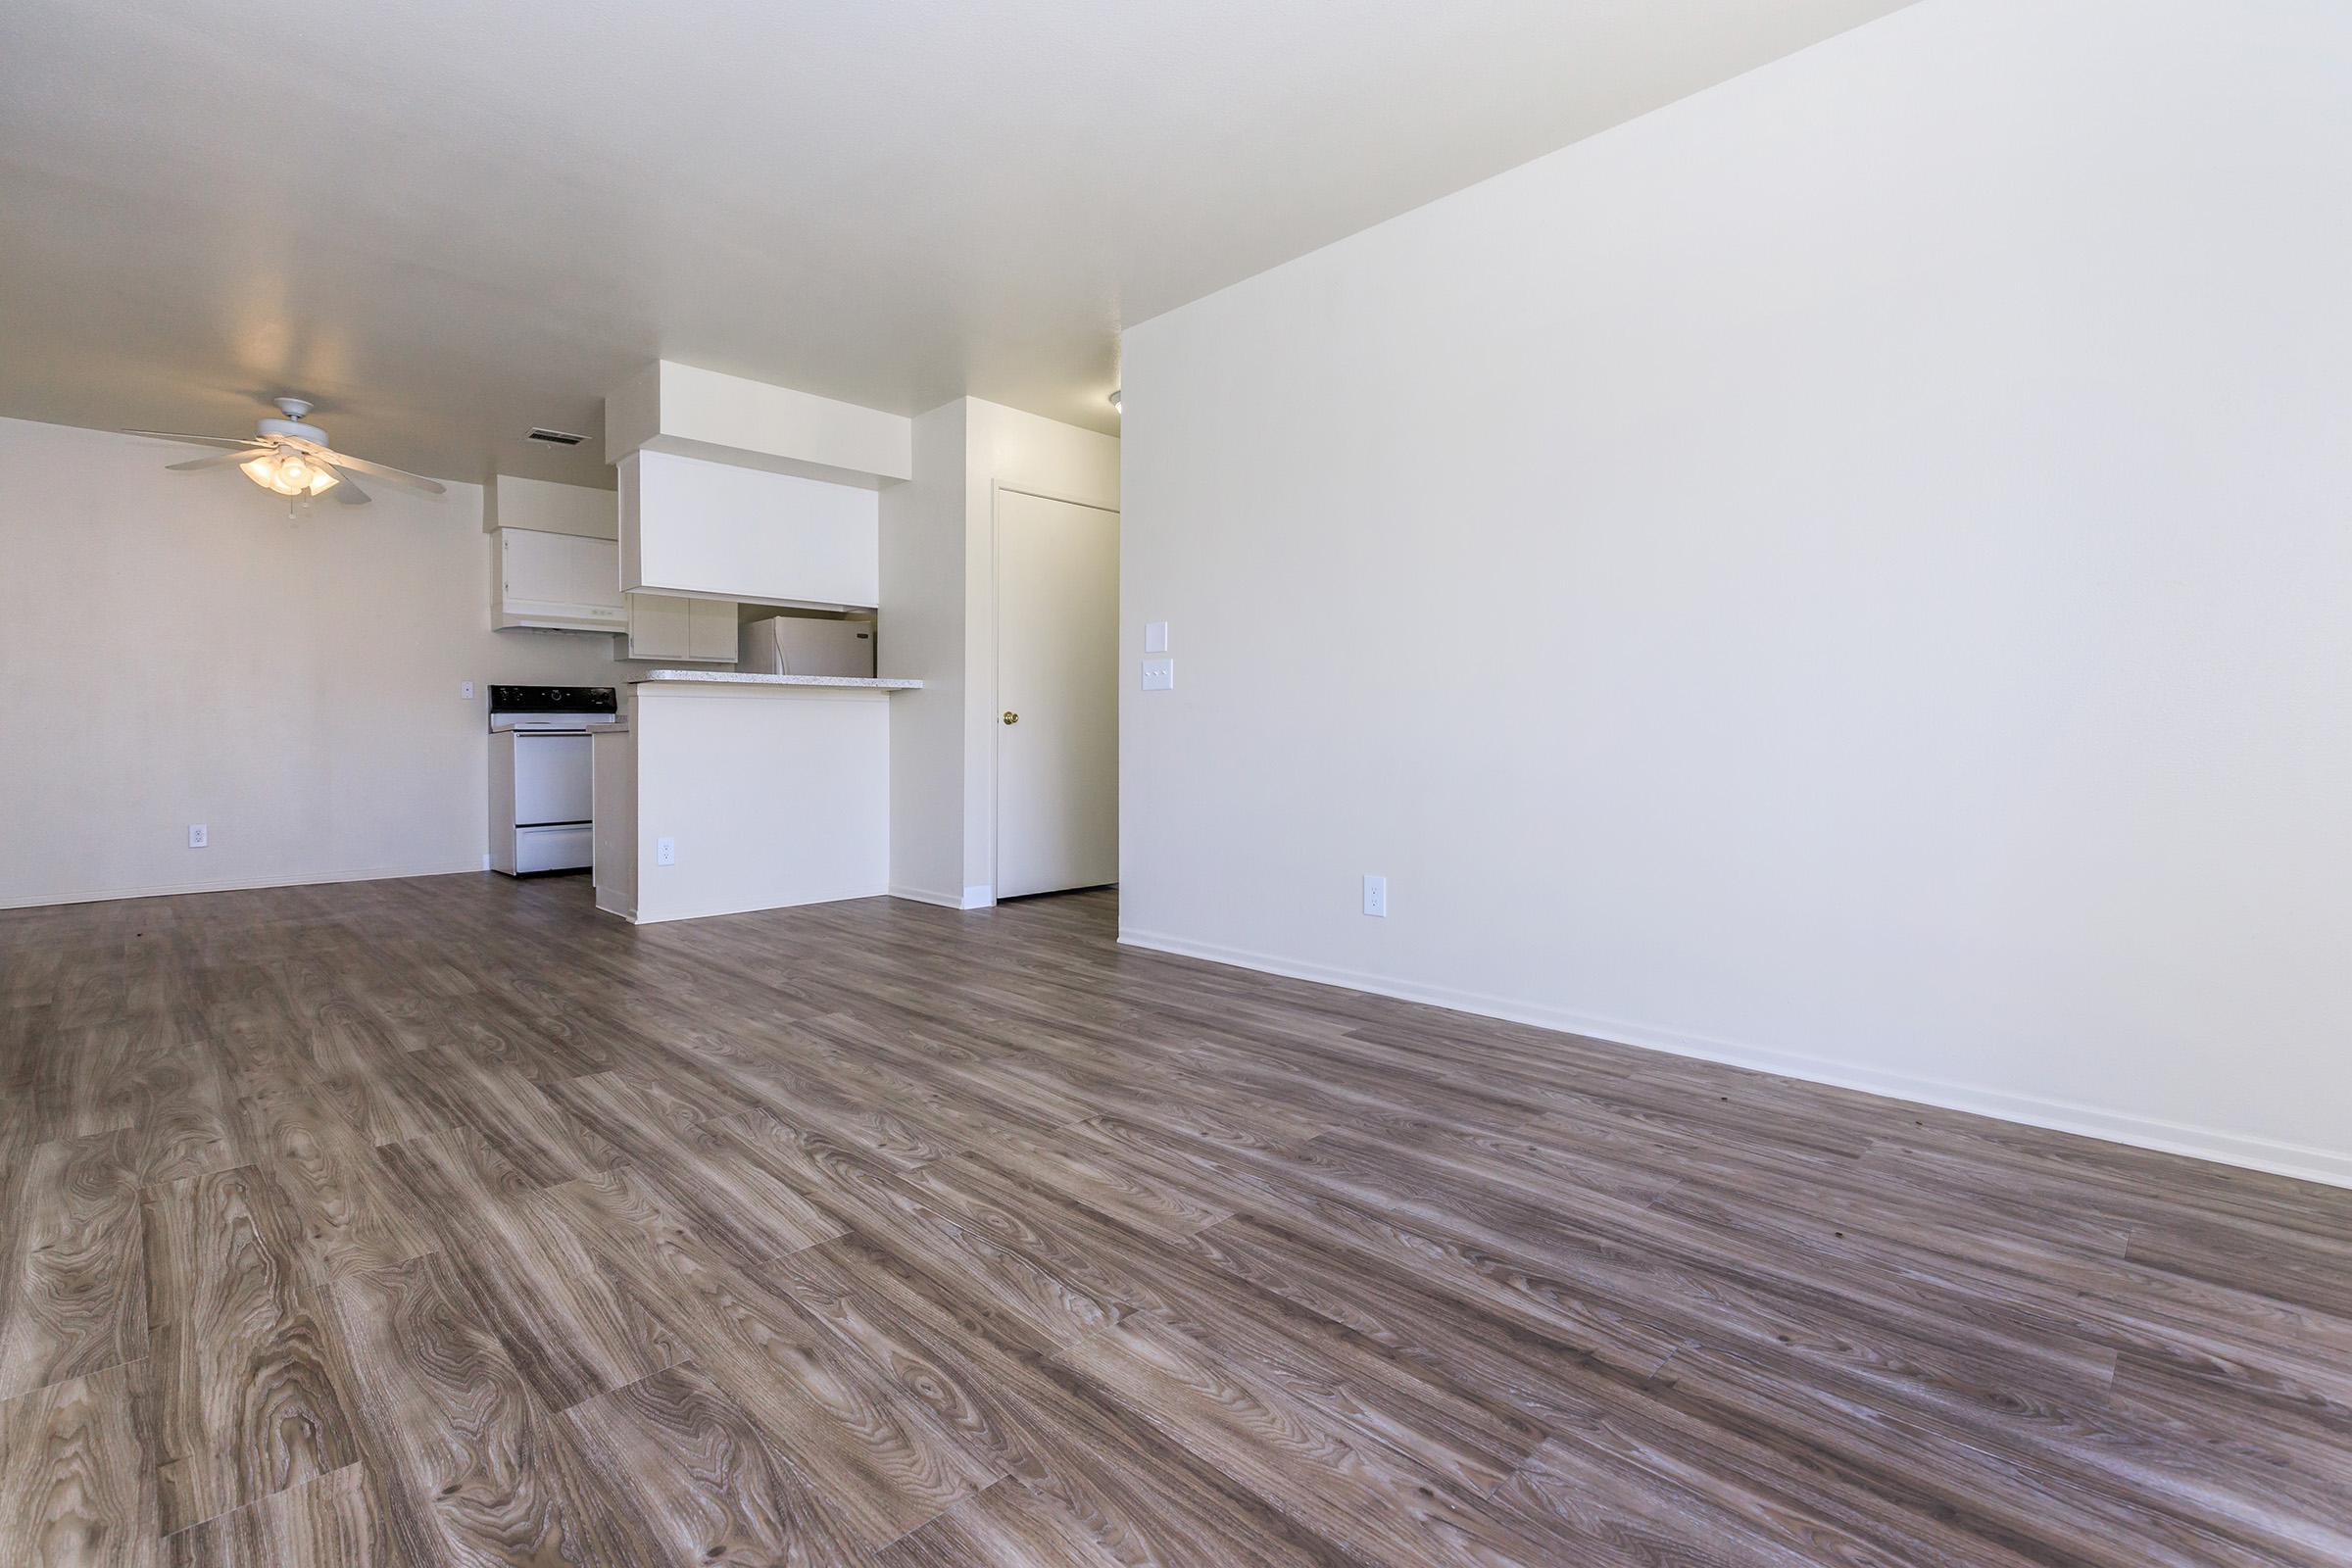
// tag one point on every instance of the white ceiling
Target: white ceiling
(448, 220)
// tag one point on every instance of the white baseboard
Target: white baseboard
(971, 898)
(2301, 1161)
(637, 911)
(373, 873)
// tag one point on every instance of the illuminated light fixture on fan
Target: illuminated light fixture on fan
(291, 456)
(288, 476)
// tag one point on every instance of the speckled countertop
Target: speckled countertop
(730, 679)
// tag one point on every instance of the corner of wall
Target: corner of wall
(922, 599)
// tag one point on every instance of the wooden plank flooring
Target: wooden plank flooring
(445, 1221)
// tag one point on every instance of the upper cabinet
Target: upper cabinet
(660, 627)
(663, 627)
(712, 529)
(557, 580)
(711, 630)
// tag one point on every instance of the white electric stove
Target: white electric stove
(542, 795)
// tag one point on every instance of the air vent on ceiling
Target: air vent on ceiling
(558, 438)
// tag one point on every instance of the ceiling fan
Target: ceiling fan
(293, 459)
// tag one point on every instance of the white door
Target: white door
(1057, 691)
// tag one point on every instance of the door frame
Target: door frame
(996, 658)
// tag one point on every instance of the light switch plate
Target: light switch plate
(1159, 674)
(1156, 636)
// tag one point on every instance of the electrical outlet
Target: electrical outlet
(1159, 674)
(665, 851)
(199, 835)
(466, 691)
(1375, 897)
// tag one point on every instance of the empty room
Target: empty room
(1295, 784)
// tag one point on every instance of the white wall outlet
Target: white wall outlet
(1159, 674)
(1375, 896)
(199, 835)
(665, 851)
(1156, 636)
(466, 691)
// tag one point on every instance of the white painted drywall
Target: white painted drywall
(713, 530)
(176, 651)
(772, 797)
(920, 635)
(754, 424)
(544, 507)
(938, 624)
(1852, 572)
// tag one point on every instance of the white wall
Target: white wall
(713, 530)
(544, 507)
(175, 651)
(938, 625)
(1850, 573)
(920, 635)
(754, 424)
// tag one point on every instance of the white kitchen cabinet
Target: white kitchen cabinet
(559, 582)
(537, 564)
(592, 567)
(660, 627)
(711, 631)
(666, 626)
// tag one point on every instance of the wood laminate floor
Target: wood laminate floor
(445, 1221)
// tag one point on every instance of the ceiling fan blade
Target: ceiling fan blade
(194, 440)
(347, 488)
(245, 454)
(391, 476)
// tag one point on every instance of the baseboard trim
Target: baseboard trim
(638, 914)
(378, 873)
(971, 898)
(2277, 1157)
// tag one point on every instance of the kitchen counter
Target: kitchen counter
(730, 679)
(727, 793)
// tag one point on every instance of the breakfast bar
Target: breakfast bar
(727, 793)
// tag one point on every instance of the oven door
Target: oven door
(553, 778)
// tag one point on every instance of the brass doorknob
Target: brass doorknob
(1011, 718)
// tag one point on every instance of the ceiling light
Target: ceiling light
(291, 458)
(1115, 401)
(288, 475)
